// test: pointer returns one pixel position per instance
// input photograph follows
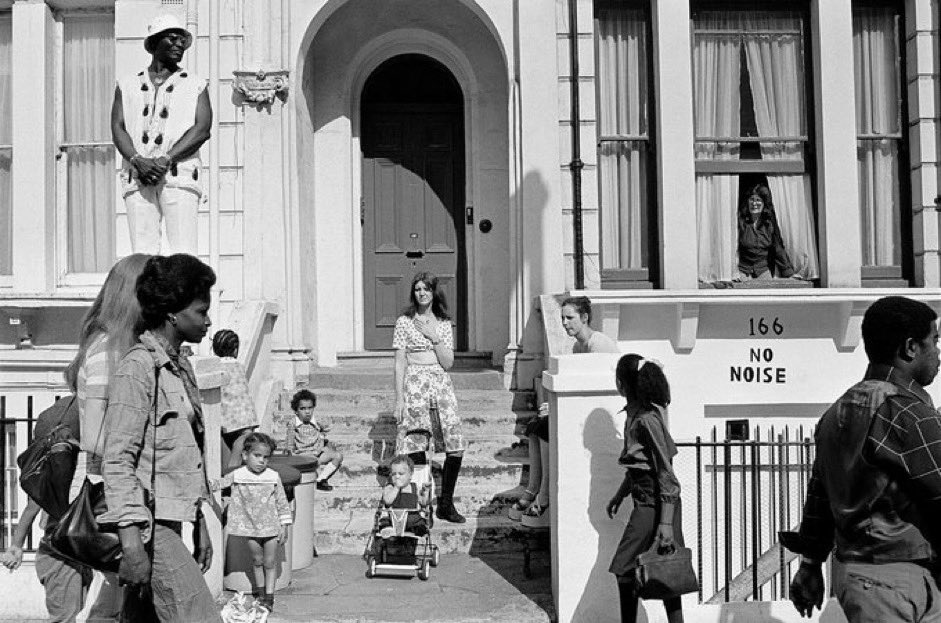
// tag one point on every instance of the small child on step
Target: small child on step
(310, 438)
(258, 510)
(238, 409)
(401, 494)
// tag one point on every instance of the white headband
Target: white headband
(642, 361)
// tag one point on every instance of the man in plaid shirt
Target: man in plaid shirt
(877, 479)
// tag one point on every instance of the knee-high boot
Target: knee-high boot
(446, 510)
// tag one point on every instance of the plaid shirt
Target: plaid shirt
(876, 475)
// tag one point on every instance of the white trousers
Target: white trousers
(176, 206)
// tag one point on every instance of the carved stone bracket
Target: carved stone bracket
(261, 87)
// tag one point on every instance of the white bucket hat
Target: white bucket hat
(160, 25)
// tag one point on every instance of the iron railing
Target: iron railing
(746, 492)
(16, 432)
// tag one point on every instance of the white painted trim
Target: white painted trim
(61, 228)
(71, 281)
(373, 54)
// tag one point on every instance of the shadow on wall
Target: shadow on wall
(533, 199)
(601, 438)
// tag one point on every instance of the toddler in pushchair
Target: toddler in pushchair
(400, 542)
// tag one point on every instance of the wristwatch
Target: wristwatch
(164, 161)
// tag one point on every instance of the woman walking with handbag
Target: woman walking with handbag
(649, 479)
(424, 351)
(155, 446)
(110, 327)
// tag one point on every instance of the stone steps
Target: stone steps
(370, 378)
(381, 399)
(356, 401)
(492, 477)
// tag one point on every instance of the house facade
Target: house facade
(516, 148)
(410, 136)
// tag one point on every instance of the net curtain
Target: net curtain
(6, 138)
(88, 90)
(622, 109)
(877, 113)
(717, 71)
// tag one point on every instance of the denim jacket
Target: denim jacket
(129, 445)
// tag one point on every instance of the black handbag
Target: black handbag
(79, 537)
(665, 575)
(48, 463)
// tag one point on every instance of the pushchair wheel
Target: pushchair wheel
(435, 556)
(424, 572)
(371, 566)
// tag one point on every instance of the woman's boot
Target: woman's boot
(446, 510)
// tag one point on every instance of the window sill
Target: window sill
(81, 283)
(626, 279)
(757, 284)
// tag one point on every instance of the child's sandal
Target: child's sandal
(521, 505)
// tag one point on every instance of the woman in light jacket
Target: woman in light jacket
(154, 397)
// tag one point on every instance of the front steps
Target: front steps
(356, 401)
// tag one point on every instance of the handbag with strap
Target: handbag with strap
(666, 574)
(47, 465)
(78, 537)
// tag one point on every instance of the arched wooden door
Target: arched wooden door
(413, 191)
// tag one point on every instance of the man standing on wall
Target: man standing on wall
(160, 118)
(876, 479)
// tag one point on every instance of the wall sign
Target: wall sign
(760, 365)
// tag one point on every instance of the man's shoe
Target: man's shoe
(447, 512)
(323, 485)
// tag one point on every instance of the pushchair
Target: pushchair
(391, 548)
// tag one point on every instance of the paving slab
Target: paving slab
(462, 589)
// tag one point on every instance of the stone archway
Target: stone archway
(343, 51)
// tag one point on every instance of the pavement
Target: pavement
(462, 589)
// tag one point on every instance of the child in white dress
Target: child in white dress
(258, 510)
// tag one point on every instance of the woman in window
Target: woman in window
(761, 252)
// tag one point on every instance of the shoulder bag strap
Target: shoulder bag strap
(153, 462)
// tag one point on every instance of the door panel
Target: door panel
(413, 207)
(439, 221)
(388, 187)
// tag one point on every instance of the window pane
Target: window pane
(762, 52)
(621, 41)
(716, 83)
(6, 152)
(88, 89)
(878, 124)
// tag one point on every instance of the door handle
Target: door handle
(415, 254)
